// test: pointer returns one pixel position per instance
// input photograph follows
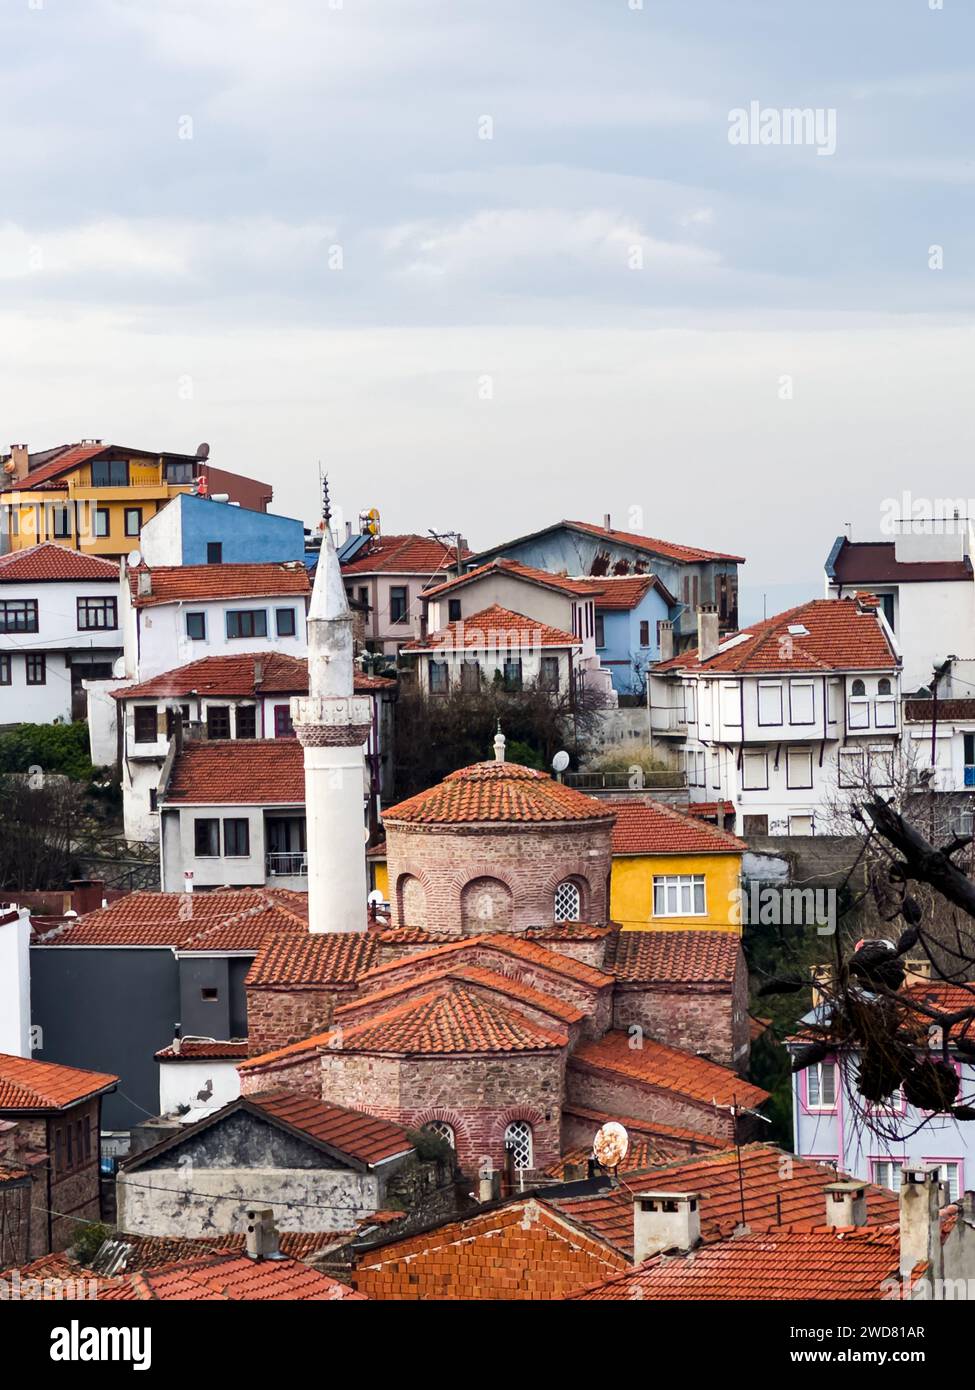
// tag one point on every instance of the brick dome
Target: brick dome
(498, 791)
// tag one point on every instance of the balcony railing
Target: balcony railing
(623, 781)
(665, 720)
(287, 865)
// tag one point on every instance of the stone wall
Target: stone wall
(277, 1017)
(617, 1095)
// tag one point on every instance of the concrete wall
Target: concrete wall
(179, 534)
(164, 645)
(15, 1017)
(202, 1085)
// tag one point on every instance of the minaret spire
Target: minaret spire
(333, 724)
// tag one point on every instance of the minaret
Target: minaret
(333, 725)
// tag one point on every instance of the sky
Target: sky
(493, 264)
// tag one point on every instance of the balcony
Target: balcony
(667, 721)
(287, 865)
(666, 780)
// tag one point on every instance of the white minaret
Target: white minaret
(333, 725)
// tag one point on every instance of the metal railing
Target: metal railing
(287, 865)
(623, 781)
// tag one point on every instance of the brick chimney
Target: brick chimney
(665, 1221)
(707, 631)
(607, 522)
(87, 894)
(665, 639)
(920, 1220)
(261, 1235)
(145, 583)
(846, 1204)
(20, 458)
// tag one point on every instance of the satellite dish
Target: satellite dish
(203, 451)
(611, 1144)
(375, 897)
(118, 668)
(133, 559)
(561, 761)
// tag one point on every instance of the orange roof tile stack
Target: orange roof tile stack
(350, 1132)
(567, 584)
(689, 554)
(655, 1064)
(494, 791)
(292, 959)
(237, 919)
(671, 957)
(236, 674)
(241, 772)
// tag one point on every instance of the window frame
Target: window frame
(144, 711)
(6, 669)
(794, 752)
(110, 466)
(820, 1107)
(19, 607)
(236, 830)
(245, 711)
(218, 718)
(438, 677)
(286, 613)
(282, 718)
(212, 834)
(805, 686)
(751, 755)
(678, 883)
(36, 662)
(551, 685)
(126, 527)
(240, 613)
(399, 594)
(192, 636)
(88, 603)
(215, 559)
(770, 688)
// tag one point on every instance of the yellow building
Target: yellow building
(670, 872)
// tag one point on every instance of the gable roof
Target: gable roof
(840, 635)
(674, 957)
(332, 959)
(237, 674)
(493, 791)
(61, 459)
(475, 975)
(493, 629)
(406, 554)
(667, 1068)
(236, 919)
(28, 1085)
(240, 772)
(691, 1141)
(197, 583)
(669, 550)
(652, 828)
(229, 1276)
(504, 943)
(562, 582)
(48, 563)
(625, 591)
(876, 562)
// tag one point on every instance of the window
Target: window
(398, 603)
(177, 472)
(236, 838)
(97, 613)
(754, 825)
(832, 701)
(60, 522)
(214, 552)
(518, 1143)
(883, 686)
(133, 521)
(858, 688)
(206, 838)
(247, 622)
(548, 673)
(802, 708)
(799, 768)
(886, 1172)
(442, 1130)
(453, 616)
(858, 716)
(439, 678)
(769, 702)
(18, 615)
(5, 675)
(102, 521)
(209, 994)
(184, 711)
(821, 1086)
(754, 772)
(246, 721)
(851, 768)
(218, 721)
(731, 704)
(881, 765)
(885, 709)
(948, 1171)
(600, 630)
(644, 634)
(568, 902)
(284, 622)
(196, 627)
(679, 895)
(364, 594)
(470, 677)
(512, 673)
(146, 725)
(283, 727)
(36, 668)
(110, 473)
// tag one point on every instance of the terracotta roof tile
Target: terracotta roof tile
(237, 919)
(403, 555)
(195, 583)
(493, 629)
(229, 1277)
(564, 582)
(838, 637)
(667, 1068)
(26, 1084)
(625, 592)
(688, 554)
(66, 458)
(149, 1252)
(327, 959)
(353, 1132)
(494, 791)
(505, 944)
(238, 772)
(691, 1140)
(50, 563)
(194, 1051)
(476, 975)
(280, 674)
(644, 1151)
(651, 828)
(686, 957)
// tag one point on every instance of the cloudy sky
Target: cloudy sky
(496, 262)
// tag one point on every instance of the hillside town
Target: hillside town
(389, 918)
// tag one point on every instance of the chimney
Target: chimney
(87, 894)
(607, 522)
(262, 1238)
(707, 631)
(20, 458)
(489, 1187)
(145, 583)
(665, 640)
(258, 673)
(665, 1221)
(461, 547)
(846, 1204)
(920, 1221)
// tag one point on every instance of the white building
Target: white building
(172, 615)
(926, 587)
(786, 719)
(59, 626)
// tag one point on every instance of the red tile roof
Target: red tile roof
(66, 458)
(26, 1084)
(229, 1277)
(651, 828)
(353, 1133)
(493, 629)
(237, 919)
(779, 1189)
(493, 791)
(333, 960)
(504, 944)
(851, 1264)
(875, 562)
(667, 1068)
(563, 582)
(690, 1140)
(48, 563)
(839, 636)
(193, 1051)
(245, 772)
(644, 1151)
(149, 1252)
(235, 675)
(674, 957)
(686, 554)
(475, 975)
(624, 592)
(945, 997)
(403, 555)
(195, 583)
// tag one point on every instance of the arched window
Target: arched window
(858, 688)
(518, 1142)
(883, 688)
(568, 902)
(442, 1130)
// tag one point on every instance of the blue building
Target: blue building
(192, 530)
(691, 575)
(629, 611)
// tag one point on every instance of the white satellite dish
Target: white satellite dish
(133, 559)
(375, 896)
(118, 668)
(561, 761)
(611, 1144)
